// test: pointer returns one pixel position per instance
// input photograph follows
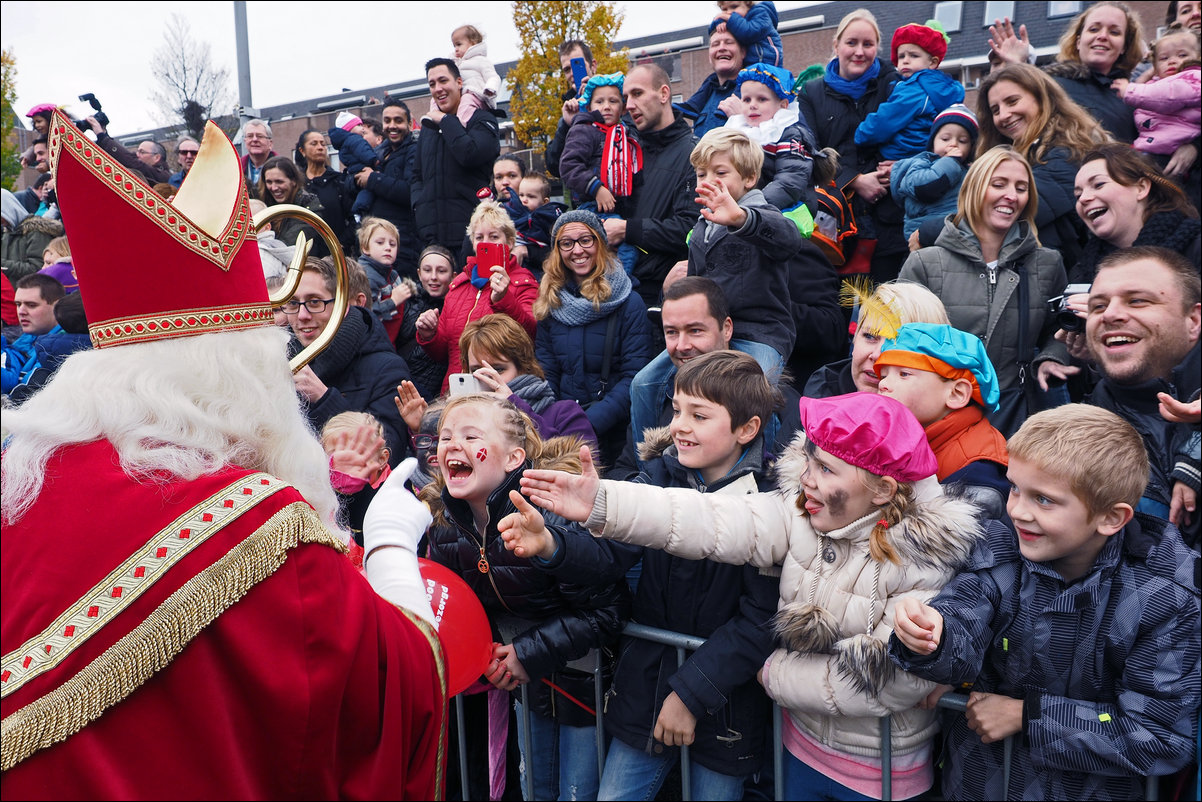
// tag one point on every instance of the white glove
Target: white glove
(396, 518)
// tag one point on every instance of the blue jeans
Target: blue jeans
(634, 774)
(564, 765)
(649, 387)
(803, 782)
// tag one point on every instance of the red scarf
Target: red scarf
(621, 158)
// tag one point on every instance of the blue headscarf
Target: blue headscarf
(778, 79)
(586, 92)
(853, 89)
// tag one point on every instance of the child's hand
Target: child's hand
(604, 200)
(562, 493)
(731, 106)
(401, 293)
(1182, 505)
(410, 404)
(933, 697)
(1120, 86)
(505, 671)
(718, 206)
(427, 324)
(524, 532)
(676, 725)
(357, 454)
(499, 283)
(723, 15)
(993, 716)
(918, 626)
(492, 380)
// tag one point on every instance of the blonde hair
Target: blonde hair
(500, 336)
(1174, 33)
(59, 247)
(350, 422)
(1116, 471)
(1133, 47)
(368, 226)
(471, 32)
(489, 212)
(909, 301)
(860, 14)
(746, 156)
(971, 200)
(1060, 122)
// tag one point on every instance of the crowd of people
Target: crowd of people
(879, 393)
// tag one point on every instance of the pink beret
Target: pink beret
(871, 431)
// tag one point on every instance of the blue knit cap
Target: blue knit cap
(778, 79)
(942, 349)
(586, 92)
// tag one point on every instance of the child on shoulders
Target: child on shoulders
(765, 109)
(1080, 634)
(859, 523)
(753, 25)
(901, 126)
(480, 79)
(928, 184)
(944, 377)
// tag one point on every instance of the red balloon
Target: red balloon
(462, 625)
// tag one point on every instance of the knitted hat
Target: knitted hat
(929, 36)
(871, 431)
(589, 219)
(947, 351)
(778, 79)
(346, 121)
(960, 115)
(610, 79)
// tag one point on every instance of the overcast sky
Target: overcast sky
(297, 50)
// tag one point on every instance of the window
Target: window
(1063, 9)
(948, 15)
(995, 11)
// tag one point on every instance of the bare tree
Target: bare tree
(190, 87)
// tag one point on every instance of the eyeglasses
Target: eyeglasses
(188, 152)
(256, 136)
(145, 152)
(314, 305)
(586, 242)
(424, 441)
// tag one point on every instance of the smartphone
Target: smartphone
(489, 254)
(465, 384)
(579, 73)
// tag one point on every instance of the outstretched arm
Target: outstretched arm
(566, 494)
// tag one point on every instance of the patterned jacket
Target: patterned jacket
(1107, 667)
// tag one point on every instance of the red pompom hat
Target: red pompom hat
(153, 270)
(930, 37)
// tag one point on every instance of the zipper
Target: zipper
(992, 280)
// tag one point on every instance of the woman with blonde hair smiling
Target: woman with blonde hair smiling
(994, 278)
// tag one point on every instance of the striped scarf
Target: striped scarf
(621, 158)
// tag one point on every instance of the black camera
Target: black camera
(1066, 318)
(101, 117)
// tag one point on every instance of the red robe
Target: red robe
(262, 666)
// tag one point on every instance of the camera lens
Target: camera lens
(1069, 321)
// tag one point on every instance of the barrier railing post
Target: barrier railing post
(1007, 756)
(459, 723)
(686, 780)
(886, 757)
(1152, 789)
(528, 743)
(778, 758)
(598, 701)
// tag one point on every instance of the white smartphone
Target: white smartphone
(465, 384)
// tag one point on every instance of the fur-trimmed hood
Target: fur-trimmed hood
(1077, 71)
(940, 533)
(39, 225)
(655, 443)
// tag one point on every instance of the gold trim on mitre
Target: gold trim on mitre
(214, 216)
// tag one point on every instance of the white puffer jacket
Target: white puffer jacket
(478, 73)
(835, 614)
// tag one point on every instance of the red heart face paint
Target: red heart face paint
(482, 454)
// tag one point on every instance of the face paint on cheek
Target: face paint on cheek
(837, 503)
(482, 454)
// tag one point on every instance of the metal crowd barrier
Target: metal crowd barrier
(683, 643)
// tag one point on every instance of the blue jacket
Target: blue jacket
(353, 151)
(901, 126)
(571, 358)
(1107, 666)
(702, 108)
(927, 187)
(756, 32)
(13, 361)
(729, 605)
(787, 177)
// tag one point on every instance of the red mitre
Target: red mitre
(153, 270)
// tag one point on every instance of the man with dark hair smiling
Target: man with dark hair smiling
(453, 161)
(392, 184)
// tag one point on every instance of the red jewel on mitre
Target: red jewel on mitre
(153, 270)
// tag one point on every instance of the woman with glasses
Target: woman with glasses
(358, 372)
(281, 182)
(498, 284)
(593, 333)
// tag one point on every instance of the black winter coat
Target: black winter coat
(833, 118)
(392, 186)
(336, 192)
(664, 210)
(729, 605)
(1091, 91)
(361, 371)
(559, 609)
(452, 164)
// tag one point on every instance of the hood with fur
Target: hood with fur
(938, 534)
